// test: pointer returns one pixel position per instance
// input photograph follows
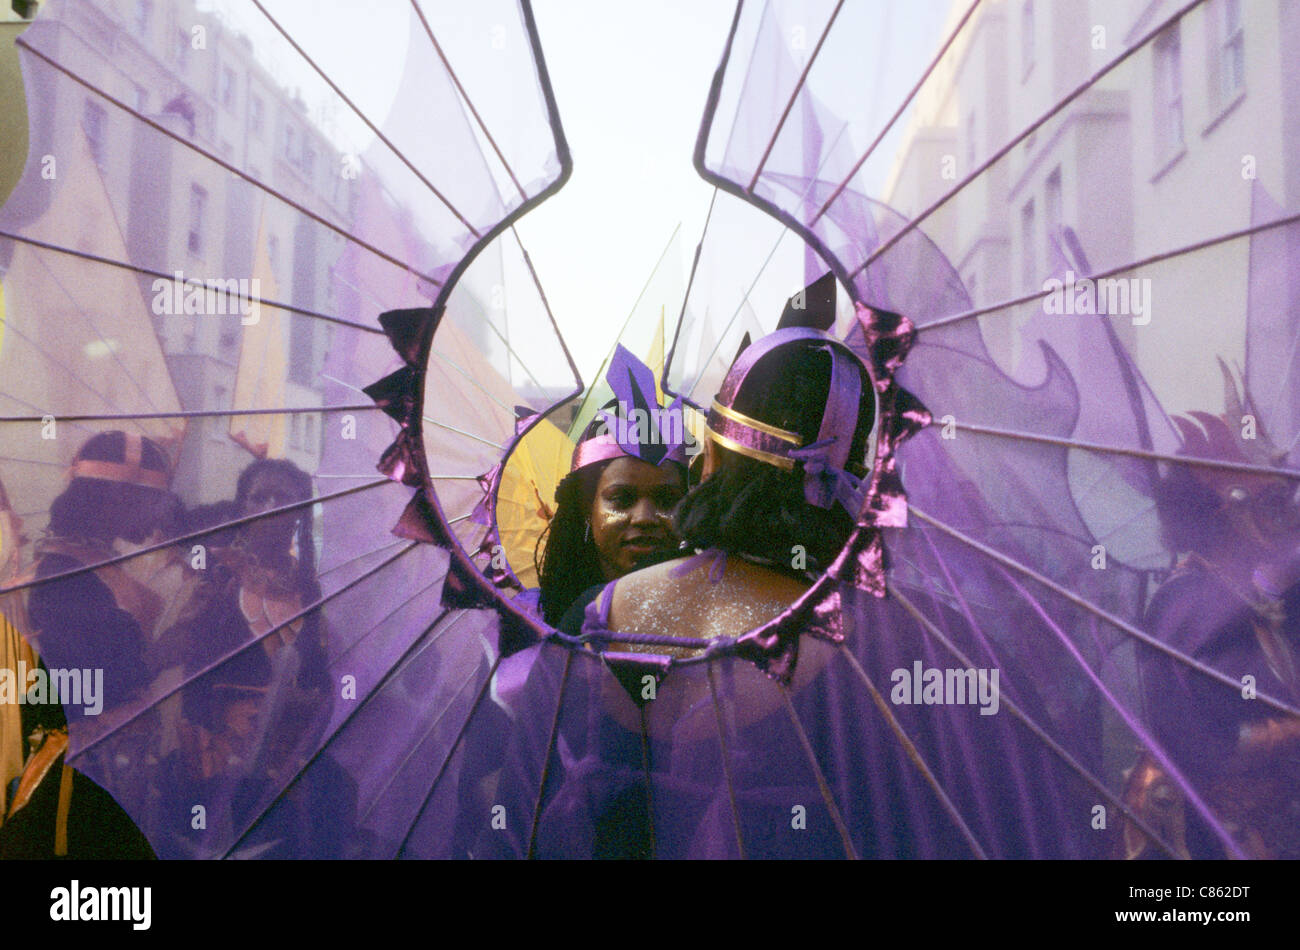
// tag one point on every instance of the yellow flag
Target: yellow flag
(263, 362)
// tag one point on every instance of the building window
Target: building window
(94, 121)
(143, 13)
(970, 143)
(1227, 53)
(1234, 48)
(1168, 94)
(1028, 264)
(198, 206)
(1026, 37)
(141, 100)
(255, 113)
(308, 163)
(302, 352)
(227, 88)
(290, 144)
(1053, 219)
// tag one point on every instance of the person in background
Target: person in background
(118, 493)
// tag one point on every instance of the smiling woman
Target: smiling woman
(613, 508)
(630, 514)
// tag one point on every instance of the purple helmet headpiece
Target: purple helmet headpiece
(639, 427)
(826, 459)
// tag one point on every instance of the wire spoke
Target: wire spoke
(411, 651)
(1041, 734)
(726, 760)
(1029, 130)
(422, 645)
(193, 536)
(67, 371)
(451, 73)
(451, 754)
(468, 435)
(898, 113)
(1005, 305)
(1130, 720)
(794, 96)
(86, 319)
(364, 118)
(255, 642)
(827, 797)
(649, 782)
(1112, 619)
(194, 414)
(233, 169)
(550, 751)
(914, 754)
(149, 272)
(1243, 467)
(762, 269)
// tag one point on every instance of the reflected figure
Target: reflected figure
(781, 486)
(613, 509)
(98, 622)
(246, 716)
(1232, 603)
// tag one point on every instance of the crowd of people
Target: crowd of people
(107, 592)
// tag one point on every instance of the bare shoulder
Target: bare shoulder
(700, 600)
(635, 591)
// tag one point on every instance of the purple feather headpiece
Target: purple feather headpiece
(639, 427)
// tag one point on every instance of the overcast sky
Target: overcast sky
(630, 81)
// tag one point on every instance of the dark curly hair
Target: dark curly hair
(568, 563)
(751, 507)
(565, 556)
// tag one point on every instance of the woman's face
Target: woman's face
(629, 514)
(268, 490)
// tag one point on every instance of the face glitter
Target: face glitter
(630, 513)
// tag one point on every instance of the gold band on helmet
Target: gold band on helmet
(757, 454)
(784, 435)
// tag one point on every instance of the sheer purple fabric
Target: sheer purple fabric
(242, 234)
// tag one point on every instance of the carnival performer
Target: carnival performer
(257, 662)
(613, 509)
(1232, 603)
(98, 620)
(781, 483)
(612, 515)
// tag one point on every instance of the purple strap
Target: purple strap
(716, 557)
